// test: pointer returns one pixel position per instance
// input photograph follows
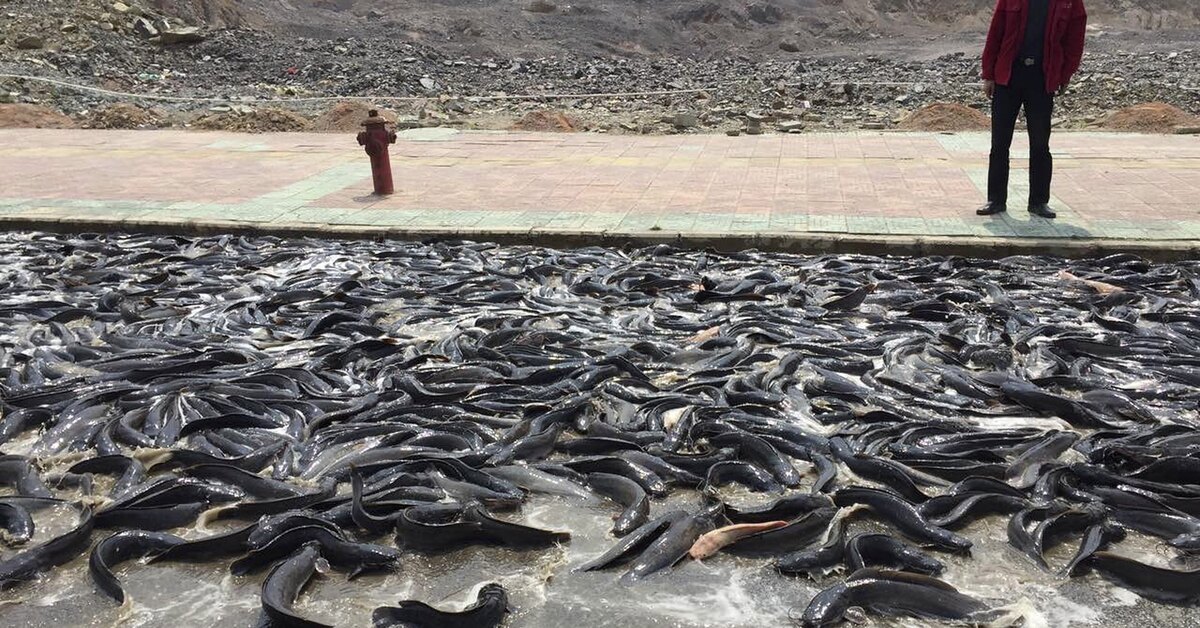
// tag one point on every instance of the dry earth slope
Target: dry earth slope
(704, 27)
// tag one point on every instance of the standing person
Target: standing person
(1033, 48)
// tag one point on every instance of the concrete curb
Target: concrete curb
(800, 243)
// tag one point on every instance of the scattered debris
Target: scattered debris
(548, 120)
(14, 116)
(946, 116)
(124, 116)
(253, 121)
(1154, 117)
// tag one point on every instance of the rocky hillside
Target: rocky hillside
(691, 27)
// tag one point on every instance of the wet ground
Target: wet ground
(722, 591)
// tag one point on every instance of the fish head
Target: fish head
(827, 608)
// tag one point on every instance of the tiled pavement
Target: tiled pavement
(909, 192)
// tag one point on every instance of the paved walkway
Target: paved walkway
(880, 192)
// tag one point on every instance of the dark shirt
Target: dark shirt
(1035, 31)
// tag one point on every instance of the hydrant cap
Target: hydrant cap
(374, 118)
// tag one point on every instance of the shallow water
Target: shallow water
(546, 592)
(720, 592)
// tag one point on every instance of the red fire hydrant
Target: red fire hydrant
(376, 138)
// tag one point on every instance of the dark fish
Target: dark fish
(19, 473)
(784, 508)
(16, 522)
(1155, 583)
(881, 550)
(218, 545)
(121, 547)
(488, 611)
(285, 582)
(357, 558)
(627, 493)
(761, 452)
(1097, 537)
(635, 542)
(904, 517)
(671, 545)
(255, 509)
(826, 557)
(511, 534)
(744, 473)
(56, 551)
(796, 534)
(893, 594)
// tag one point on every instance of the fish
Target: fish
(627, 493)
(357, 558)
(121, 547)
(488, 611)
(1167, 586)
(16, 520)
(904, 517)
(672, 544)
(892, 594)
(369, 399)
(284, 584)
(796, 534)
(881, 550)
(711, 542)
(61, 549)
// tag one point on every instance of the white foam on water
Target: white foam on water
(1123, 597)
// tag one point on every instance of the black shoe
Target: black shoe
(991, 208)
(1042, 210)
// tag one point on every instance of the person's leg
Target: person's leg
(1006, 105)
(1039, 109)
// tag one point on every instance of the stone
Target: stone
(733, 133)
(120, 8)
(874, 126)
(789, 46)
(541, 6)
(9, 97)
(68, 27)
(144, 28)
(181, 35)
(789, 127)
(685, 120)
(1187, 130)
(428, 83)
(29, 42)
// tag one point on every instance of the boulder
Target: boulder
(181, 35)
(541, 6)
(29, 42)
(145, 28)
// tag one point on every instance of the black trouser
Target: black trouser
(1027, 88)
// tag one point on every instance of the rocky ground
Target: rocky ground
(875, 84)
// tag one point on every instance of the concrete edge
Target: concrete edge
(800, 243)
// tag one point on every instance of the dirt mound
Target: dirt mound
(124, 116)
(1151, 117)
(33, 117)
(548, 120)
(347, 116)
(946, 116)
(254, 121)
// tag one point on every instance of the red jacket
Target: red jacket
(1065, 26)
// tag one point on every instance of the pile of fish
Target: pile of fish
(345, 405)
